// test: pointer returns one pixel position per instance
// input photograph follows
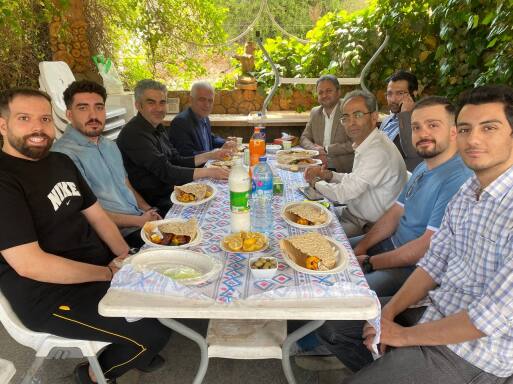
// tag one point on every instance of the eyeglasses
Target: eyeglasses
(355, 115)
(412, 186)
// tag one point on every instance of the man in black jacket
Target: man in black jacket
(190, 131)
(153, 164)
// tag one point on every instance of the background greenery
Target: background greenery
(450, 45)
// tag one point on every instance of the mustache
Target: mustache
(94, 121)
(425, 141)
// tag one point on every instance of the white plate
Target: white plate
(307, 227)
(289, 167)
(174, 200)
(194, 241)
(161, 259)
(341, 264)
(306, 152)
(221, 244)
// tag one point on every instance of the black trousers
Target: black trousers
(134, 344)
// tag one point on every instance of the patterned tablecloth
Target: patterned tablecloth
(235, 281)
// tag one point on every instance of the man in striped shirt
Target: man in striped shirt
(465, 335)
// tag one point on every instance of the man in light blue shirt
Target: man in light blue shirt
(390, 250)
(465, 335)
(100, 161)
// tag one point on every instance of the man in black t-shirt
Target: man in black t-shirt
(58, 247)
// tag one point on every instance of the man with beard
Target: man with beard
(465, 334)
(401, 92)
(59, 249)
(324, 132)
(153, 164)
(389, 251)
(100, 161)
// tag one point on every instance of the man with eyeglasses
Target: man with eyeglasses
(324, 132)
(402, 89)
(465, 334)
(389, 251)
(378, 174)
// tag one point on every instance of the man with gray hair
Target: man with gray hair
(378, 173)
(153, 164)
(190, 131)
(324, 133)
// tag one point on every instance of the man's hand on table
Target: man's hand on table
(150, 215)
(217, 173)
(230, 144)
(359, 249)
(311, 173)
(220, 154)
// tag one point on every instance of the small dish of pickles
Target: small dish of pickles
(263, 267)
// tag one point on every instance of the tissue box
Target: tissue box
(293, 139)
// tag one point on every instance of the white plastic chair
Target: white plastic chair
(47, 345)
(7, 371)
(54, 78)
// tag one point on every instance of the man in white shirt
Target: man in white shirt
(378, 173)
(324, 133)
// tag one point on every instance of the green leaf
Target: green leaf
(491, 43)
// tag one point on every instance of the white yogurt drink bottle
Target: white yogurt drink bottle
(239, 183)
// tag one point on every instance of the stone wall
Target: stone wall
(245, 101)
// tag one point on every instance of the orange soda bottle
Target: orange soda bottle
(256, 147)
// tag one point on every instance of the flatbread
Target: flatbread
(196, 189)
(307, 211)
(187, 228)
(298, 248)
(179, 228)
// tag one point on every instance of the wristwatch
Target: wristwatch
(367, 265)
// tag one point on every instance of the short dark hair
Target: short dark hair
(331, 78)
(7, 95)
(413, 84)
(83, 86)
(488, 94)
(430, 101)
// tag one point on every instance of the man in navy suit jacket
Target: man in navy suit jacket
(190, 130)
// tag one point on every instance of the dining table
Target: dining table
(235, 296)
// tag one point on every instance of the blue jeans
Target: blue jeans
(385, 282)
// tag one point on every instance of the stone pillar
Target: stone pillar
(71, 45)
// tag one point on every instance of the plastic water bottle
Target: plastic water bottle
(240, 185)
(262, 197)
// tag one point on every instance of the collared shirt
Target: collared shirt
(425, 197)
(376, 180)
(390, 126)
(328, 126)
(101, 165)
(471, 259)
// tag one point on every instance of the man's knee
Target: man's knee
(334, 332)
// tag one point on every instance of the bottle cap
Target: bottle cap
(262, 159)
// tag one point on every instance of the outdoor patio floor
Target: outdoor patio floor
(182, 358)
